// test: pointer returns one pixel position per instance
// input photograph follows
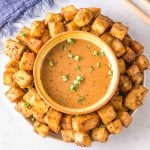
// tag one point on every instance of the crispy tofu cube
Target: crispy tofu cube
(41, 128)
(68, 135)
(129, 56)
(86, 28)
(106, 37)
(12, 64)
(114, 127)
(66, 121)
(71, 26)
(99, 134)
(101, 24)
(69, 12)
(118, 31)
(118, 47)
(83, 17)
(22, 78)
(45, 37)
(126, 41)
(27, 61)
(136, 46)
(82, 139)
(13, 49)
(116, 102)
(14, 94)
(55, 28)
(95, 11)
(107, 114)
(53, 17)
(125, 118)
(53, 118)
(85, 122)
(31, 96)
(135, 97)
(135, 74)
(24, 108)
(125, 83)
(142, 62)
(122, 66)
(34, 44)
(37, 29)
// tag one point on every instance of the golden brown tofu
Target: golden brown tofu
(83, 17)
(99, 134)
(106, 37)
(135, 74)
(53, 118)
(37, 29)
(118, 47)
(55, 28)
(66, 121)
(69, 12)
(34, 44)
(14, 94)
(13, 49)
(53, 17)
(114, 127)
(142, 62)
(45, 37)
(118, 31)
(129, 56)
(126, 41)
(68, 135)
(122, 66)
(116, 102)
(41, 128)
(27, 61)
(135, 97)
(71, 26)
(22, 78)
(125, 118)
(95, 11)
(107, 114)
(85, 122)
(125, 83)
(100, 25)
(82, 139)
(12, 64)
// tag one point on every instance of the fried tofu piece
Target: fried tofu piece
(45, 37)
(99, 134)
(135, 97)
(55, 28)
(37, 29)
(83, 17)
(100, 24)
(136, 46)
(116, 102)
(12, 64)
(13, 49)
(107, 114)
(106, 37)
(34, 44)
(53, 118)
(68, 135)
(114, 127)
(122, 66)
(82, 139)
(14, 94)
(118, 47)
(69, 12)
(142, 62)
(125, 83)
(135, 74)
(41, 128)
(22, 78)
(71, 26)
(125, 118)
(85, 122)
(95, 11)
(129, 56)
(53, 17)
(118, 31)
(27, 61)
(66, 121)
(126, 41)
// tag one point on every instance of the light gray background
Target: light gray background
(17, 134)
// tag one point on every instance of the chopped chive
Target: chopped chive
(33, 119)
(70, 41)
(89, 46)
(98, 64)
(81, 99)
(80, 78)
(95, 53)
(76, 58)
(70, 55)
(63, 47)
(101, 53)
(21, 77)
(51, 63)
(110, 73)
(73, 88)
(22, 33)
(27, 104)
(65, 77)
(125, 84)
(78, 68)
(76, 82)
(91, 68)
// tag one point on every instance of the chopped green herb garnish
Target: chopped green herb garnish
(65, 77)
(27, 104)
(76, 58)
(80, 78)
(81, 99)
(78, 68)
(70, 55)
(73, 88)
(101, 53)
(33, 119)
(91, 68)
(89, 46)
(110, 73)
(63, 47)
(21, 77)
(95, 53)
(22, 33)
(51, 63)
(98, 64)
(76, 82)
(70, 41)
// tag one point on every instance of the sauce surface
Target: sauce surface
(76, 73)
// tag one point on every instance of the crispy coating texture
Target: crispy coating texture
(122, 66)
(95, 11)
(72, 26)
(116, 102)
(53, 17)
(68, 135)
(45, 37)
(106, 37)
(66, 121)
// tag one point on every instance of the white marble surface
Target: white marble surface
(17, 134)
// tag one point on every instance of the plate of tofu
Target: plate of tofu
(80, 129)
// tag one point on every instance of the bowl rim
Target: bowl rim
(84, 36)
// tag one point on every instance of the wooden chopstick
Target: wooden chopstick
(138, 11)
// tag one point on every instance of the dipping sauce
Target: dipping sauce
(76, 73)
